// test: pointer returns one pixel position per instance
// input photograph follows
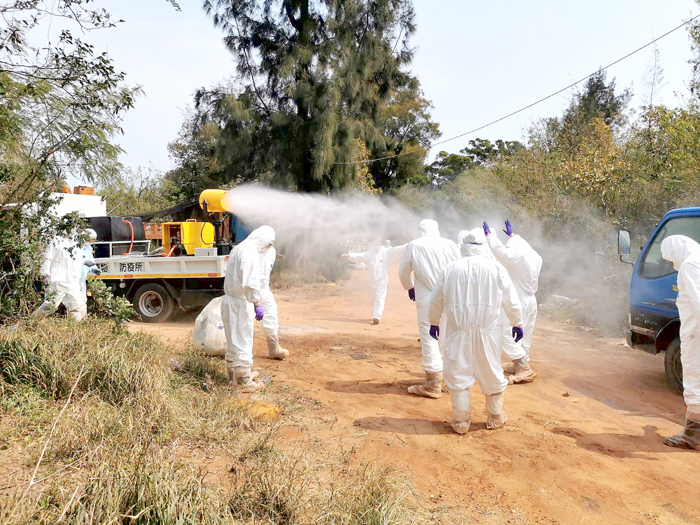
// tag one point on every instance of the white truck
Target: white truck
(155, 284)
(187, 272)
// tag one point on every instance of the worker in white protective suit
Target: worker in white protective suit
(242, 304)
(89, 266)
(684, 254)
(523, 264)
(473, 242)
(472, 292)
(426, 258)
(270, 321)
(61, 270)
(378, 260)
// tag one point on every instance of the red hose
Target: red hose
(131, 246)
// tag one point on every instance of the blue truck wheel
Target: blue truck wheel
(674, 368)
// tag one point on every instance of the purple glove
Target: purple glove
(434, 332)
(517, 333)
(509, 230)
(412, 294)
(487, 230)
(259, 312)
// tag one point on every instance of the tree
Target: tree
(315, 75)
(136, 191)
(447, 166)
(408, 131)
(694, 34)
(481, 153)
(60, 107)
(598, 100)
(194, 155)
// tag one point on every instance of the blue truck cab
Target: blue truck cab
(653, 316)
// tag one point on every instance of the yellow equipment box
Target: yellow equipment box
(190, 235)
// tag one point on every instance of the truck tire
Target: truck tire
(674, 368)
(153, 303)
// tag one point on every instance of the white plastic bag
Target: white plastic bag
(209, 333)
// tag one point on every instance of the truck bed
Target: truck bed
(143, 267)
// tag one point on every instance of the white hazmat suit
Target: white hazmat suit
(242, 291)
(378, 260)
(88, 257)
(270, 321)
(684, 254)
(523, 264)
(62, 268)
(426, 258)
(473, 242)
(471, 293)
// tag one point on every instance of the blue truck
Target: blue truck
(653, 317)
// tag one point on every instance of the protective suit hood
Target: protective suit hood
(473, 242)
(261, 237)
(677, 248)
(428, 228)
(91, 235)
(475, 236)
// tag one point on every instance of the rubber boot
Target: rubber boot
(509, 368)
(245, 382)
(494, 407)
(690, 437)
(274, 350)
(432, 387)
(461, 410)
(523, 372)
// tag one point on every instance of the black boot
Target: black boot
(689, 438)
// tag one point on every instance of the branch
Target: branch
(290, 16)
(250, 70)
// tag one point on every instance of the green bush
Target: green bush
(106, 305)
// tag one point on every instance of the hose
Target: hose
(131, 246)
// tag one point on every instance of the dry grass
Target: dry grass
(106, 431)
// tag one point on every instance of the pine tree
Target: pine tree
(313, 76)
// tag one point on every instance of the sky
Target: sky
(477, 61)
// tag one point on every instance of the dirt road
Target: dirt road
(583, 443)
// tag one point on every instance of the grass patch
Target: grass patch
(133, 442)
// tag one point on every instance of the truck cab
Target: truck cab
(653, 316)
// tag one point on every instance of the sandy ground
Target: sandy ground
(583, 443)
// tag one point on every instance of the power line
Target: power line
(524, 107)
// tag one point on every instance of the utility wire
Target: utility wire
(525, 107)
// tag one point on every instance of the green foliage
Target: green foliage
(408, 132)
(479, 153)
(60, 107)
(104, 304)
(26, 231)
(54, 356)
(598, 100)
(137, 191)
(316, 75)
(193, 152)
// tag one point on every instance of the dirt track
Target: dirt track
(583, 443)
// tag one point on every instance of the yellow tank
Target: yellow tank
(190, 234)
(213, 199)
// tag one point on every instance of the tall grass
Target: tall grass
(107, 432)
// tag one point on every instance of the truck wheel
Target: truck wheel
(153, 303)
(674, 368)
